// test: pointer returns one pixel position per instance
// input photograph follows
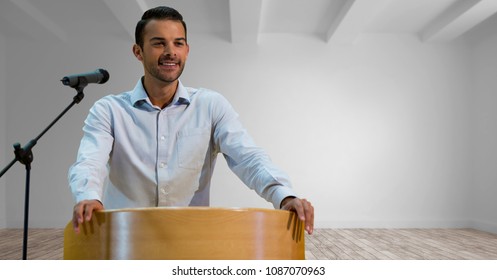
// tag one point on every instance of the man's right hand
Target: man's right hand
(84, 210)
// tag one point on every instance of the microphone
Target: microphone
(98, 76)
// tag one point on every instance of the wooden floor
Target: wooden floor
(330, 244)
(401, 244)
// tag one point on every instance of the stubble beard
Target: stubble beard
(164, 75)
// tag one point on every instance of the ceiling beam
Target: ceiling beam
(127, 13)
(245, 16)
(457, 19)
(41, 18)
(352, 19)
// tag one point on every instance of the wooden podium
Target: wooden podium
(189, 233)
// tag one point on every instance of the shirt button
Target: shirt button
(163, 137)
(162, 165)
(163, 191)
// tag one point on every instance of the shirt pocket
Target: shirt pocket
(192, 145)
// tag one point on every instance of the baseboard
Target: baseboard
(474, 224)
(484, 226)
(394, 224)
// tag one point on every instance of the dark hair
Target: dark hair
(161, 12)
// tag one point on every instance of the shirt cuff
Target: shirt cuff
(90, 195)
(281, 193)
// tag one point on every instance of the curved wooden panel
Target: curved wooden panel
(200, 233)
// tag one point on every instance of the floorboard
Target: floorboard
(324, 244)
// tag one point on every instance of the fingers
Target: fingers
(309, 216)
(84, 209)
(88, 211)
(77, 216)
(305, 211)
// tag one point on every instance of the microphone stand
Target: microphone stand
(25, 156)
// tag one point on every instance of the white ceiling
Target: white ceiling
(244, 20)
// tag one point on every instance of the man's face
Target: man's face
(164, 51)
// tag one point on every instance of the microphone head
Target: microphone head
(69, 81)
(105, 75)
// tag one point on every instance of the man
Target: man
(157, 144)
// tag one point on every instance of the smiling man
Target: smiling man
(156, 145)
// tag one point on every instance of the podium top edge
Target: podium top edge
(192, 208)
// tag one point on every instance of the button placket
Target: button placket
(162, 157)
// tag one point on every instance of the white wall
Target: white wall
(375, 135)
(3, 121)
(36, 96)
(484, 184)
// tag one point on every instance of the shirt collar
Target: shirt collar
(139, 95)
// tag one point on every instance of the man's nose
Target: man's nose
(169, 50)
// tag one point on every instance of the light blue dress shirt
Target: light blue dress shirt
(135, 154)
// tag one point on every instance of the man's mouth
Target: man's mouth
(168, 65)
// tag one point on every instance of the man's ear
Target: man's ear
(137, 51)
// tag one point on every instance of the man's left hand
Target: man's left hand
(304, 209)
